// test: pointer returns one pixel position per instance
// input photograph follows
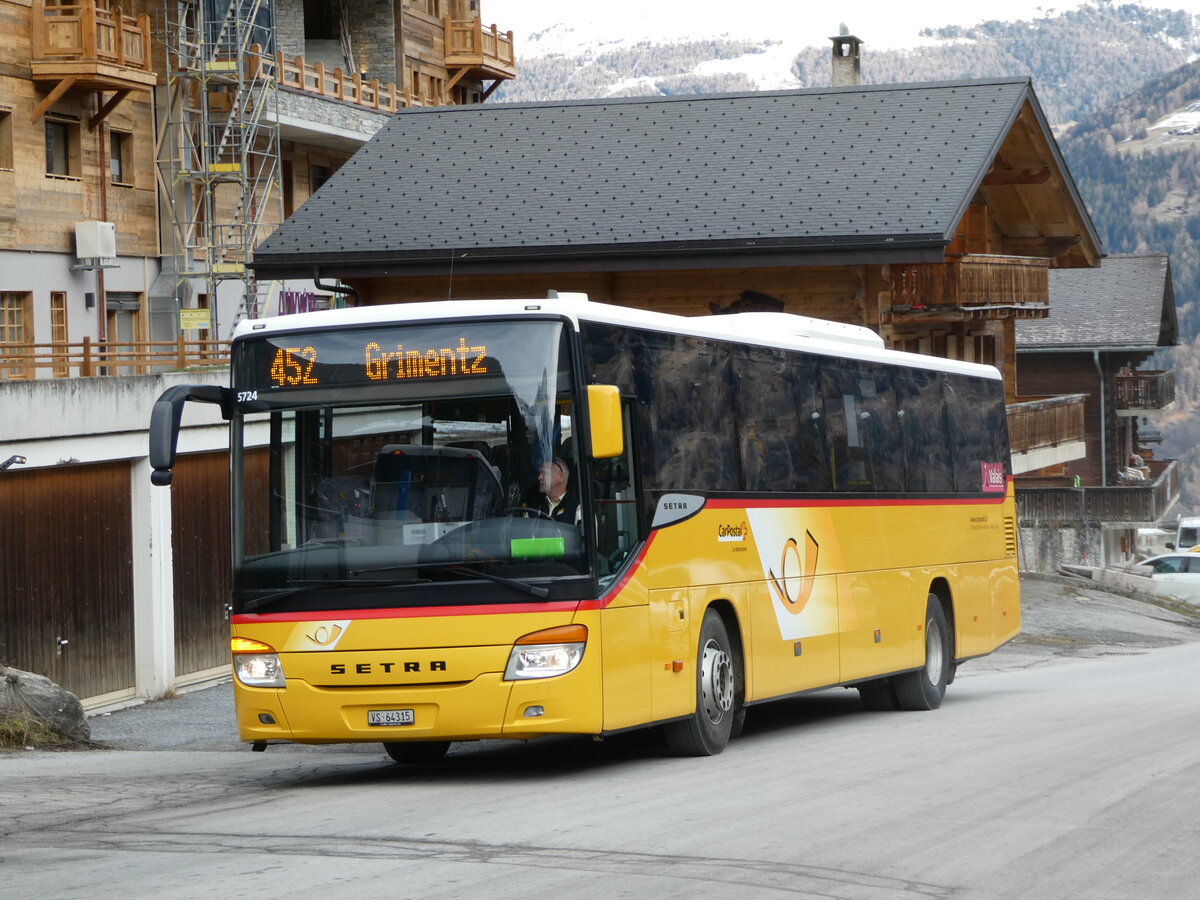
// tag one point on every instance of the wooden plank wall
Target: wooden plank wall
(200, 554)
(38, 213)
(66, 572)
(836, 293)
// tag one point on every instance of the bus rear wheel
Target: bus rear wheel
(416, 751)
(925, 688)
(706, 731)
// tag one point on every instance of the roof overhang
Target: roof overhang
(753, 254)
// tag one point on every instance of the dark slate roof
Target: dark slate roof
(1128, 303)
(884, 168)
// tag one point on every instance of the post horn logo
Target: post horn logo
(794, 583)
(327, 634)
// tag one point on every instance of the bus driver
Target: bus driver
(561, 502)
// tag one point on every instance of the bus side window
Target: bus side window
(971, 404)
(923, 432)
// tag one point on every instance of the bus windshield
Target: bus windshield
(404, 461)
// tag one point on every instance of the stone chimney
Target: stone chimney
(847, 57)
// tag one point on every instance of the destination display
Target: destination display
(298, 366)
(391, 354)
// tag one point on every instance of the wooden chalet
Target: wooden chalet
(932, 213)
(79, 88)
(1103, 324)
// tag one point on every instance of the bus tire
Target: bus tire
(878, 695)
(707, 730)
(416, 751)
(925, 688)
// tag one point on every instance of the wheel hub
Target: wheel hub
(716, 681)
(933, 652)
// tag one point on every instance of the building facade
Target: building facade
(112, 220)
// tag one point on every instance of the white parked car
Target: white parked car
(1179, 572)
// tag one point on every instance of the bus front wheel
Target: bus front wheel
(706, 731)
(925, 688)
(416, 751)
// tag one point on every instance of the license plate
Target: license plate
(390, 717)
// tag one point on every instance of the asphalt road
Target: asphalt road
(1065, 765)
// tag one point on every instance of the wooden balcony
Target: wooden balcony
(1137, 393)
(90, 45)
(1130, 505)
(478, 52)
(1045, 422)
(330, 84)
(972, 286)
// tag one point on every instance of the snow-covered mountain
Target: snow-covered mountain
(1081, 57)
(551, 27)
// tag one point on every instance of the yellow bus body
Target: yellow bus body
(815, 594)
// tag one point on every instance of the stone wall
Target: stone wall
(373, 38)
(289, 27)
(334, 117)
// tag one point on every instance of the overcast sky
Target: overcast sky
(880, 23)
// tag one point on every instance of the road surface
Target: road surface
(1067, 765)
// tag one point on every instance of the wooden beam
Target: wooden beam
(1046, 245)
(1017, 176)
(455, 80)
(491, 89)
(106, 109)
(51, 98)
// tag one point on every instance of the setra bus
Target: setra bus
(764, 504)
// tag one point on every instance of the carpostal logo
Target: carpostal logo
(727, 534)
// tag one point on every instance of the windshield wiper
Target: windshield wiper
(304, 584)
(524, 587)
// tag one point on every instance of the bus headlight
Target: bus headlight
(544, 654)
(256, 664)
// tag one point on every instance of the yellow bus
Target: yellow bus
(512, 518)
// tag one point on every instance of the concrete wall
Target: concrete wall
(1047, 548)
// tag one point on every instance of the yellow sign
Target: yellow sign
(193, 318)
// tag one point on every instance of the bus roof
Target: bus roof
(769, 329)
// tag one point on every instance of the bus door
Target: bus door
(626, 622)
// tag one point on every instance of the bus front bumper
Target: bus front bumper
(486, 707)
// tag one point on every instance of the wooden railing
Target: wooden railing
(468, 43)
(1045, 422)
(1146, 503)
(334, 84)
(1144, 390)
(972, 282)
(88, 358)
(88, 32)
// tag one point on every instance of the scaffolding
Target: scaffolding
(218, 146)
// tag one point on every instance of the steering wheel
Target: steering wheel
(527, 511)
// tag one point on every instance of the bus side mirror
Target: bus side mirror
(164, 423)
(604, 417)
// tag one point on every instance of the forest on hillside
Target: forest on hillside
(1145, 196)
